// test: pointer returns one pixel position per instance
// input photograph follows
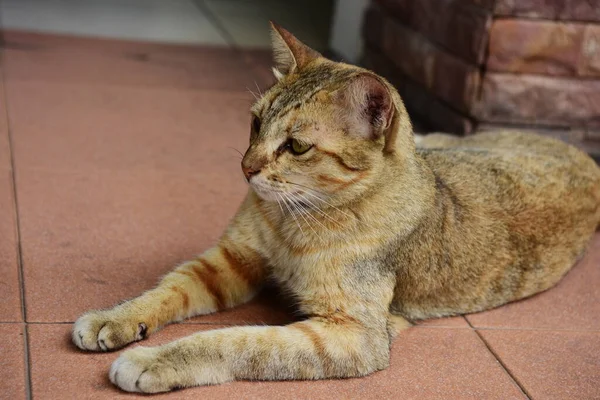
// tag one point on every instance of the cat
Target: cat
(367, 231)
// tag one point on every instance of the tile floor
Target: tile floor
(116, 163)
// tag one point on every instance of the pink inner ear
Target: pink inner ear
(374, 100)
(367, 106)
(377, 109)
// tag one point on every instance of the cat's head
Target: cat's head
(325, 131)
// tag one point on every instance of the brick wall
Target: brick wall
(465, 64)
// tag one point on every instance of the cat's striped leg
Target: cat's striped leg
(224, 276)
(311, 349)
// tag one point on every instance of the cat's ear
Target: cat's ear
(288, 52)
(369, 108)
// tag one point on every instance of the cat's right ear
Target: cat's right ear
(289, 53)
(369, 109)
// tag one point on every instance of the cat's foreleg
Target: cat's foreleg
(224, 276)
(311, 349)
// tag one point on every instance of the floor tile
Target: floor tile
(450, 322)
(10, 300)
(574, 304)
(59, 370)
(270, 307)
(426, 363)
(551, 365)
(177, 21)
(85, 127)
(12, 362)
(10, 305)
(30, 56)
(92, 239)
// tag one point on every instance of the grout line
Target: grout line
(28, 387)
(17, 225)
(497, 357)
(13, 183)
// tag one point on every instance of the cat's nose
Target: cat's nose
(249, 172)
(252, 164)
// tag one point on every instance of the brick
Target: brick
(571, 10)
(589, 62)
(539, 100)
(458, 27)
(446, 76)
(540, 47)
(419, 102)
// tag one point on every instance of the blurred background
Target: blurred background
(461, 65)
(242, 23)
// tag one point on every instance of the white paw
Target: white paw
(143, 370)
(106, 330)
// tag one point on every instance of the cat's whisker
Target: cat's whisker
(315, 219)
(302, 214)
(309, 192)
(253, 94)
(320, 211)
(257, 88)
(299, 199)
(307, 187)
(297, 208)
(293, 215)
(330, 205)
(236, 150)
(279, 202)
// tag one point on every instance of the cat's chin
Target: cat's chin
(266, 194)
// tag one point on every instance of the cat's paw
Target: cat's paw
(106, 330)
(143, 370)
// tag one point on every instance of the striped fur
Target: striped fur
(367, 231)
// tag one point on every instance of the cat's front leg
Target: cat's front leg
(224, 276)
(312, 349)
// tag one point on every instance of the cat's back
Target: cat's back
(523, 179)
(511, 145)
(524, 164)
(512, 213)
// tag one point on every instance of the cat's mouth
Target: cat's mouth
(280, 194)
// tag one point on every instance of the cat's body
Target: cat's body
(465, 247)
(366, 231)
(513, 212)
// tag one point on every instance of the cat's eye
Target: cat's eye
(255, 124)
(297, 147)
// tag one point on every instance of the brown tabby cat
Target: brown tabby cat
(364, 229)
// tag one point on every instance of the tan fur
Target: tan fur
(366, 230)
